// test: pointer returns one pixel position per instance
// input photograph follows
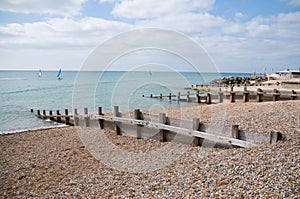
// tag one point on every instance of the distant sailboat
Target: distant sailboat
(40, 73)
(59, 75)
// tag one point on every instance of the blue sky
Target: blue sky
(238, 35)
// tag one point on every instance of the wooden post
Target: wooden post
(246, 95)
(151, 95)
(235, 131)
(294, 95)
(276, 95)
(58, 118)
(116, 114)
(208, 98)
(160, 96)
(220, 97)
(86, 111)
(170, 96)
(232, 97)
(137, 116)
(259, 95)
(101, 122)
(86, 121)
(67, 118)
(163, 133)
(44, 114)
(178, 96)
(50, 113)
(275, 136)
(99, 110)
(76, 120)
(38, 112)
(198, 98)
(86, 118)
(196, 125)
(188, 96)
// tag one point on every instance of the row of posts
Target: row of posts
(188, 97)
(86, 118)
(259, 95)
(232, 96)
(196, 125)
(51, 116)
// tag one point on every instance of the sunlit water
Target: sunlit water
(21, 91)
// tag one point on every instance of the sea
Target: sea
(21, 91)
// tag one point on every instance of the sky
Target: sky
(238, 35)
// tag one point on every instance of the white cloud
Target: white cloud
(59, 33)
(232, 43)
(239, 15)
(56, 41)
(250, 54)
(111, 1)
(281, 26)
(194, 23)
(156, 8)
(61, 8)
(293, 2)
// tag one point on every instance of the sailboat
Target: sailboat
(59, 75)
(40, 73)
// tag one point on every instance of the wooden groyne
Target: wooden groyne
(58, 117)
(259, 95)
(143, 125)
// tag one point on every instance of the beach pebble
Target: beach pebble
(55, 163)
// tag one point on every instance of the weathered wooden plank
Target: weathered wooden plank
(163, 132)
(58, 117)
(179, 130)
(197, 141)
(137, 116)
(101, 122)
(117, 114)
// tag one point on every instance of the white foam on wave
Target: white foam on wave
(33, 129)
(11, 78)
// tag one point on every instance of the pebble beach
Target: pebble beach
(56, 163)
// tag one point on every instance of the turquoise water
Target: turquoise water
(21, 91)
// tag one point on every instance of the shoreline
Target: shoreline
(191, 108)
(34, 129)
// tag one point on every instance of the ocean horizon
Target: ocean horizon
(23, 90)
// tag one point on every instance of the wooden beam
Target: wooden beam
(197, 141)
(58, 117)
(100, 121)
(235, 131)
(116, 114)
(179, 130)
(137, 116)
(162, 132)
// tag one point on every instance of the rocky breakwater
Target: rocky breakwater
(238, 80)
